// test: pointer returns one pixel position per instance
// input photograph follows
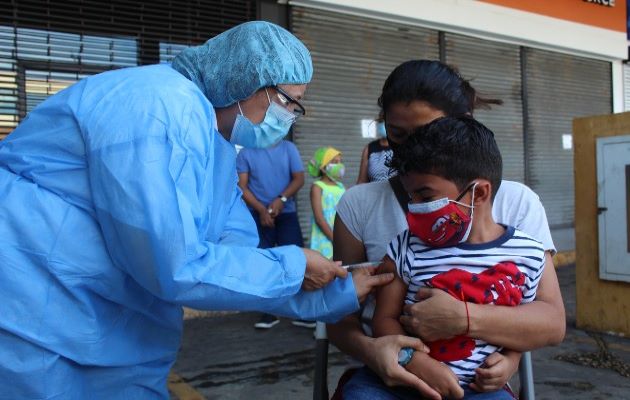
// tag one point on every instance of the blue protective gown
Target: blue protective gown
(119, 205)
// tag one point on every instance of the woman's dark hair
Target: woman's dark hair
(458, 149)
(434, 82)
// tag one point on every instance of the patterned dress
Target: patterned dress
(378, 155)
(330, 197)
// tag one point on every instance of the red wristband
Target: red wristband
(467, 319)
(467, 314)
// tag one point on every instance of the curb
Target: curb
(564, 258)
(180, 390)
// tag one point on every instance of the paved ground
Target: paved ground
(224, 357)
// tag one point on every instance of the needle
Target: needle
(371, 264)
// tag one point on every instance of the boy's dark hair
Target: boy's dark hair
(434, 82)
(458, 149)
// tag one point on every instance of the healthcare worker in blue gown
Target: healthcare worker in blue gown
(120, 205)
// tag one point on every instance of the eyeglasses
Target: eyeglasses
(287, 100)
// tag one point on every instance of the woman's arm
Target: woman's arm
(363, 168)
(318, 213)
(347, 334)
(539, 323)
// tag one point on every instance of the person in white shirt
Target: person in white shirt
(370, 216)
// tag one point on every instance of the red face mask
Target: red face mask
(441, 223)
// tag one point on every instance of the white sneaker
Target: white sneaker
(304, 324)
(267, 321)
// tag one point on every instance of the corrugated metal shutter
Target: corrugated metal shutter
(495, 71)
(626, 87)
(48, 45)
(352, 56)
(560, 88)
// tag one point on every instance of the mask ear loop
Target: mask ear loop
(472, 200)
(471, 206)
(239, 103)
(471, 186)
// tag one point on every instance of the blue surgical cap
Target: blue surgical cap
(235, 64)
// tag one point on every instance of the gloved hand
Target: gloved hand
(367, 279)
(320, 271)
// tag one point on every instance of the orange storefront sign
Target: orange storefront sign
(600, 13)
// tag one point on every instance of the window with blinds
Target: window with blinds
(36, 63)
(46, 46)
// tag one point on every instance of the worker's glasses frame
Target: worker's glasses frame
(287, 100)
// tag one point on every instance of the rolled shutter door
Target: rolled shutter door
(352, 57)
(495, 72)
(626, 87)
(560, 88)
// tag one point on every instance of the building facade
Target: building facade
(47, 45)
(549, 62)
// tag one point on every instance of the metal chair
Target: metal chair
(320, 387)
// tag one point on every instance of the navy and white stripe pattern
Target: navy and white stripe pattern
(417, 263)
(377, 170)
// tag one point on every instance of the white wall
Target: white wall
(489, 21)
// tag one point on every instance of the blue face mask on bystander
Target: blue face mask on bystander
(381, 132)
(271, 130)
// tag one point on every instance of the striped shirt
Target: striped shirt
(421, 266)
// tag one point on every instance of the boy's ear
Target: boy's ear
(483, 192)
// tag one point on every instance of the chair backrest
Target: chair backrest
(320, 387)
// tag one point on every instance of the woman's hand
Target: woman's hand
(437, 374)
(437, 315)
(496, 371)
(320, 271)
(383, 360)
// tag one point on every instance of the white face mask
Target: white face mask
(271, 130)
(335, 171)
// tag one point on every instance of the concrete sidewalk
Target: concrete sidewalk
(224, 357)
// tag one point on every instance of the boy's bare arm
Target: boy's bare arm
(389, 303)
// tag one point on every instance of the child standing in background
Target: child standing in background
(325, 194)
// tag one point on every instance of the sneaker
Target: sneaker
(304, 323)
(267, 321)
